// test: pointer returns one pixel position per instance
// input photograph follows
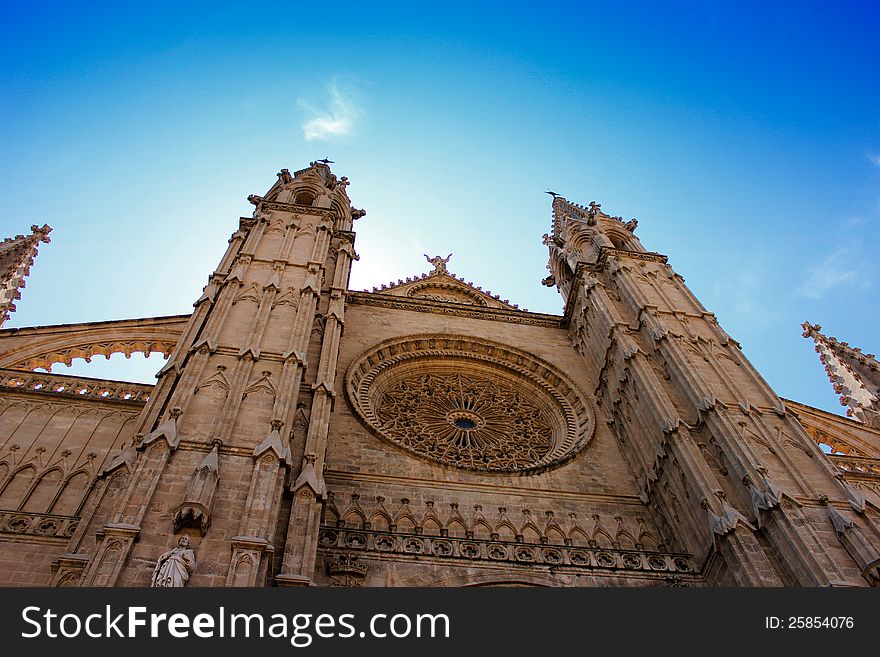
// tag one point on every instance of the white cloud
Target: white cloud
(875, 159)
(337, 119)
(835, 269)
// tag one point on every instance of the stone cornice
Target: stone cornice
(454, 309)
(298, 209)
(607, 252)
(81, 326)
(347, 235)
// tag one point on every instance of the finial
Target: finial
(809, 329)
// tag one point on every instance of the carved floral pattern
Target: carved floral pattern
(469, 403)
(468, 421)
(333, 539)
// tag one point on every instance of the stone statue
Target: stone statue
(438, 262)
(173, 567)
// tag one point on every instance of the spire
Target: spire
(854, 375)
(16, 257)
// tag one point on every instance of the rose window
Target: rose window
(469, 403)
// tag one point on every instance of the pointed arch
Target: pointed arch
(456, 528)
(354, 518)
(430, 523)
(249, 293)
(73, 491)
(481, 529)
(380, 521)
(603, 539)
(648, 541)
(431, 526)
(506, 531)
(624, 540)
(43, 491)
(17, 486)
(331, 516)
(554, 536)
(405, 523)
(530, 533)
(276, 227)
(579, 537)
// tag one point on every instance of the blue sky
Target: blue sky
(745, 137)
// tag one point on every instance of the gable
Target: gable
(445, 287)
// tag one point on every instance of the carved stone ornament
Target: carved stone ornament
(346, 569)
(174, 567)
(469, 403)
(195, 509)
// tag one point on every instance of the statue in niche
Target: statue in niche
(174, 567)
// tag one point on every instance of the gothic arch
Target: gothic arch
(305, 196)
(43, 491)
(354, 519)
(555, 536)
(73, 491)
(17, 486)
(456, 528)
(380, 521)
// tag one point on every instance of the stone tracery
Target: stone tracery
(469, 403)
(469, 421)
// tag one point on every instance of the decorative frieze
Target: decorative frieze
(37, 525)
(74, 386)
(472, 550)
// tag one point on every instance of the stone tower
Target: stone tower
(425, 433)
(214, 441)
(714, 449)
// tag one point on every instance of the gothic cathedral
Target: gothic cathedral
(427, 433)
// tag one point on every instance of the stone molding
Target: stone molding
(474, 550)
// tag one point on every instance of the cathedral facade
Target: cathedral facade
(427, 433)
